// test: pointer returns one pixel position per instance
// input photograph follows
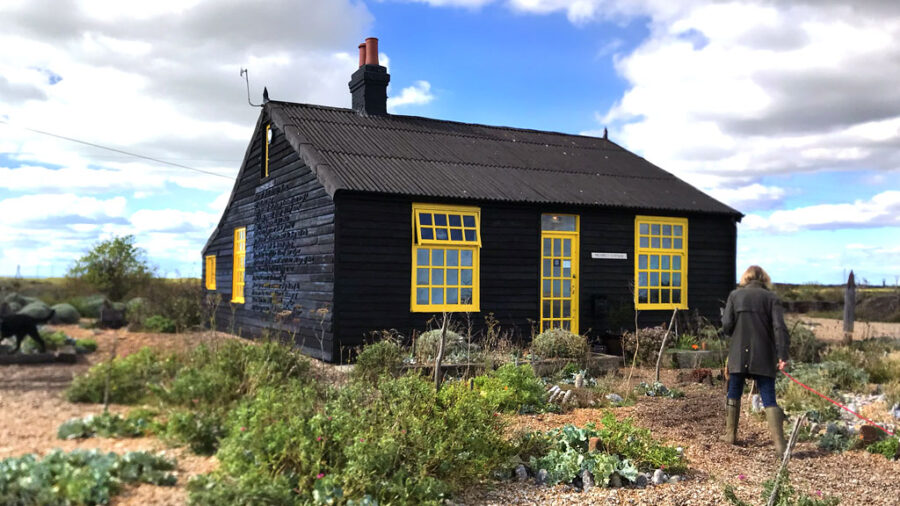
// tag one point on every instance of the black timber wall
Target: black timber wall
(289, 264)
(373, 266)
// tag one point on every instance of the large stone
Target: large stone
(615, 481)
(587, 480)
(579, 380)
(870, 434)
(614, 398)
(65, 313)
(541, 477)
(521, 473)
(36, 309)
(659, 477)
(642, 480)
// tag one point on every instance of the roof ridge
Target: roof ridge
(496, 127)
(513, 167)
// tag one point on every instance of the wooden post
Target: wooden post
(662, 347)
(849, 308)
(440, 354)
(786, 458)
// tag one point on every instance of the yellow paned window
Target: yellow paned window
(268, 142)
(237, 276)
(660, 273)
(210, 272)
(445, 258)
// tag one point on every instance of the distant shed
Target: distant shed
(346, 221)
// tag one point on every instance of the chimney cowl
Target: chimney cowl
(368, 85)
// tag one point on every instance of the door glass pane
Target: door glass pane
(452, 276)
(421, 296)
(465, 295)
(466, 257)
(452, 257)
(421, 276)
(559, 222)
(547, 271)
(452, 296)
(437, 257)
(546, 291)
(567, 309)
(567, 272)
(557, 247)
(557, 270)
(546, 309)
(466, 276)
(566, 288)
(547, 251)
(437, 295)
(567, 247)
(557, 308)
(565, 324)
(557, 288)
(440, 220)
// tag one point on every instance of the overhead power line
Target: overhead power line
(115, 150)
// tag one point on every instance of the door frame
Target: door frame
(575, 257)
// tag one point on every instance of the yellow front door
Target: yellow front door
(559, 272)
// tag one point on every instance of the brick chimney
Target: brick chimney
(368, 85)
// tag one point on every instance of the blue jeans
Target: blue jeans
(766, 387)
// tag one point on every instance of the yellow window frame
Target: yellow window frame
(439, 260)
(660, 261)
(237, 273)
(210, 272)
(267, 140)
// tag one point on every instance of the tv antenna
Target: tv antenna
(246, 75)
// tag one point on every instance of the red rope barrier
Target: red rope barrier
(838, 404)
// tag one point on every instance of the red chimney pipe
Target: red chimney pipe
(362, 54)
(371, 51)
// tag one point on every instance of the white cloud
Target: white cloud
(882, 210)
(43, 209)
(417, 94)
(750, 197)
(173, 221)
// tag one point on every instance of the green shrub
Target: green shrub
(650, 342)
(382, 358)
(107, 424)
(428, 342)
(217, 489)
(415, 445)
(883, 369)
(512, 389)
(837, 438)
(804, 347)
(158, 323)
(178, 300)
(686, 342)
(130, 378)
(622, 437)
(559, 343)
(86, 345)
(787, 495)
(201, 431)
(64, 313)
(78, 477)
(887, 447)
(88, 306)
(892, 393)
(657, 389)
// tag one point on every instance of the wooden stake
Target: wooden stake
(663, 345)
(849, 308)
(786, 458)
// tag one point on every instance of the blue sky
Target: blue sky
(788, 111)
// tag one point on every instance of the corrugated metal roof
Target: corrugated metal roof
(411, 155)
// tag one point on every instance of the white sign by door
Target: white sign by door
(609, 256)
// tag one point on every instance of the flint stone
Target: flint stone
(614, 398)
(579, 380)
(659, 477)
(642, 480)
(676, 479)
(615, 481)
(521, 473)
(587, 480)
(541, 477)
(567, 396)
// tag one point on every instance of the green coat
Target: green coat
(754, 319)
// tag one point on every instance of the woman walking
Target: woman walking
(754, 319)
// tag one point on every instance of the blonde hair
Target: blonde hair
(756, 273)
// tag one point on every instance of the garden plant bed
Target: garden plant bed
(692, 359)
(597, 365)
(32, 407)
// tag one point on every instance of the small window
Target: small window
(267, 142)
(445, 258)
(210, 272)
(237, 275)
(660, 272)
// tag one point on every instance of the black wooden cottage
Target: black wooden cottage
(346, 221)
